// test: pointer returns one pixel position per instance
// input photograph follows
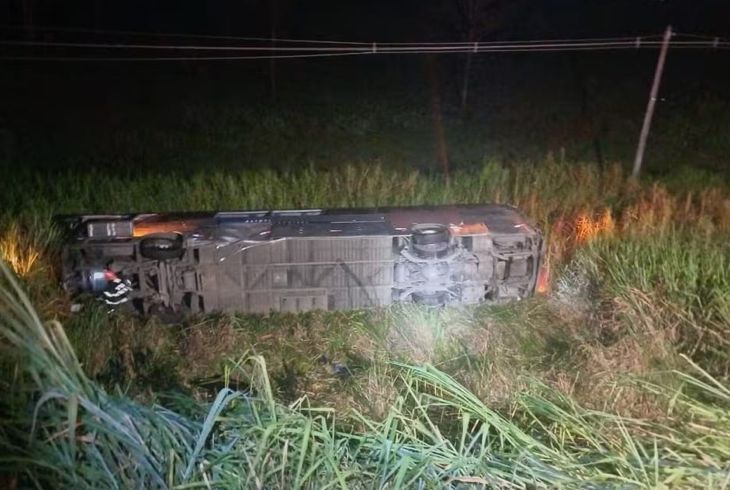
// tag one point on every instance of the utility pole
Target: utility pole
(638, 160)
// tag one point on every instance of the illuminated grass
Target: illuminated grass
(436, 433)
(20, 256)
(520, 395)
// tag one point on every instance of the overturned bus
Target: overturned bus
(300, 260)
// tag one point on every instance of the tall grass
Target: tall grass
(650, 265)
(560, 197)
(546, 190)
(437, 434)
(674, 285)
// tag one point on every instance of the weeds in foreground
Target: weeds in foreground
(436, 433)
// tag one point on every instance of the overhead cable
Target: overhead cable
(300, 51)
(373, 47)
(82, 30)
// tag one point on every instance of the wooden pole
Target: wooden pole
(639, 159)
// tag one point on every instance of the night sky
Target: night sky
(375, 19)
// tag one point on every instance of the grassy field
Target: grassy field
(617, 376)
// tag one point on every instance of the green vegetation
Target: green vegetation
(618, 377)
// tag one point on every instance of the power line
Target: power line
(59, 29)
(81, 30)
(374, 47)
(533, 41)
(647, 40)
(274, 52)
(96, 31)
(170, 46)
(174, 58)
(312, 55)
(699, 36)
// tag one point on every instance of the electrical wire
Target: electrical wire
(369, 47)
(724, 47)
(701, 36)
(169, 46)
(557, 49)
(274, 52)
(176, 58)
(57, 29)
(80, 30)
(534, 41)
(374, 47)
(60, 29)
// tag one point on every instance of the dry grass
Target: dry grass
(376, 392)
(206, 345)
(18, 251)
